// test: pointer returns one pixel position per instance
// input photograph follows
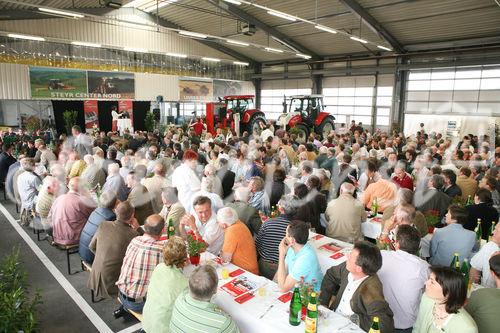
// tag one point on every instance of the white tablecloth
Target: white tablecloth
(253, 316)
(123, 124)
(372, 229)
(324, 256)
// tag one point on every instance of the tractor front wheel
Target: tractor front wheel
(302, 133)
(326, 126)
(256, 125)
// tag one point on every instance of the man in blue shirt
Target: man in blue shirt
(453, 238)
(297, 259)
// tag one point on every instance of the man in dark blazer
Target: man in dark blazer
(432, 199)
(353, 287)
(6, 160)
(343, 172)
(226, 177)
(450, 186)
(482, 209)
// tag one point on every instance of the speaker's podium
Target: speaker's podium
(123, 124)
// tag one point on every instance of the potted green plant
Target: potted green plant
(69, 117)
(150, 122)
(432, 218)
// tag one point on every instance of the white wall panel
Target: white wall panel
(14, 82)
(287, 84)
(110, 33)
(148, 86)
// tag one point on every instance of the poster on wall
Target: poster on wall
(111, 85)
(226, 88)
(57, 83)
(91, 115)
(190, 90)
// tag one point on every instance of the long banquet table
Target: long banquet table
(265, 312)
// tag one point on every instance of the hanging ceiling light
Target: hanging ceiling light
(384, 48)
(237, 42)
(241, 63)
(210, 59)
(270, 49)
(60, 12)
(358, 39)
(192, 34)
(322, 27)
(135, 49)
(28, 37)
(305, 56)
(234, 2)
(282, 15)
(177, 55)
(86, 44)
(154, 6)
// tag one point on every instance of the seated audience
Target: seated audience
(46, 197)
(258, 198)
(204, 224)
(166, 284)
(432, 199)
(441, 308)
(452, 239)
(69, 213)
(143, 254)
(139, 197)
(109, 245)
(483, 304)
(114, 182)
(28, 183)
(450, 184)
(401, 177)
(104, 212)
(203, 316)
(353, 287)
(491, 184)
(479, 271)
(297, 259)
(403, 275)
(246, 213)
(482, 209)
(93, 175)
(378, 187)
(271, 234)
(467, 184)
(344, 216)
(172, 208)
(239, 246)
(155, 184)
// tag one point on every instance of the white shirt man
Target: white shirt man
(185, 180)
(480, 261)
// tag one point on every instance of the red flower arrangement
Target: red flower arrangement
(195, 246)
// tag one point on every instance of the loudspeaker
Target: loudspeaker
(156, 114)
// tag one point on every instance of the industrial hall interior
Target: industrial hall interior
(249, 166)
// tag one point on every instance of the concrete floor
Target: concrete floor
(58, 312)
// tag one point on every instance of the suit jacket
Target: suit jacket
(467, 185)
(342, 177)
(227, 180)
(344, 216)
(141, 200)
(175, 212)
(484, 211)
(94, 175)
(5, 162)
(367, 301)
(432, 199)
(453, 191)
(109, 245)
(248, 215)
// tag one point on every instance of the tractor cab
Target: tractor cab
(306, 114)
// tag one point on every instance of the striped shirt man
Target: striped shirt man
(143, 254)
(192, 316)
(270, 235)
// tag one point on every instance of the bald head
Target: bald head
(154, 225)
(159, 169)
(73, 184)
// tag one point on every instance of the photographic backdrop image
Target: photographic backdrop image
(227, 88)
(114, 85)
(47, 82)
(190, 90)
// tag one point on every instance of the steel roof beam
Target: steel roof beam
(244, 16)
(373, 24)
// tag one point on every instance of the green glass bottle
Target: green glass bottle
(295, 307)
(469, 200)
(311, 321)
(455, 263)
(374, 208)
(375, 328)
(478, 230)
(465, 271)
(170, 228)
(492, 229)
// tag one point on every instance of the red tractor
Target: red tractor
(222, 114)
(305, 114)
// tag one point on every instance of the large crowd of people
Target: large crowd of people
(254, 200)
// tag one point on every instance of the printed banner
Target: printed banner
(49, 82)
(227, 88)
(195, 90)
(63, 83)
(111, 85)
(91, 114)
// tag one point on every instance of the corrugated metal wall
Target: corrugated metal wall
(14, 82)
(148, 86)
(111, 33)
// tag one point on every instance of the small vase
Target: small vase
(194, 260)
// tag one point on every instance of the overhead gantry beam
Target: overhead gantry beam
(373, 24)
(244, 16)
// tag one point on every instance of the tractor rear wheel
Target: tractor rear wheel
(326, 126)
(302, 133)
(256, 124)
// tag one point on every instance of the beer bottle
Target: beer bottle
(375, 327)
(170, 228)
(469, 200)
(465, 272)
(374, 209)
(455, 263)
(492, 228)
(311, 320)
(295, 307)
(478, 230)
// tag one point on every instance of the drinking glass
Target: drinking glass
(225, 273)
